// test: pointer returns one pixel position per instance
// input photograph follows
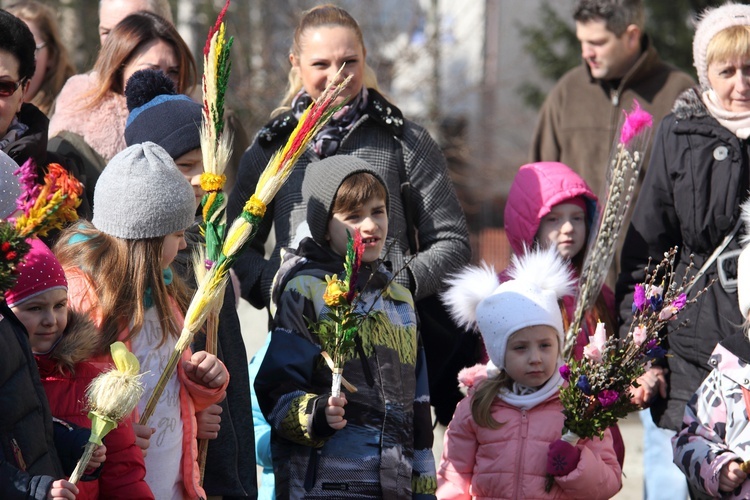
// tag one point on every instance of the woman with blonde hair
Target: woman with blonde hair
(427, 236)
(90, 115)
(53, 66)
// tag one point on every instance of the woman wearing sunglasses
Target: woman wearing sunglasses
(23, 128)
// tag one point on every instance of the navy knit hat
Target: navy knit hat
(321, 184)
(159, 115)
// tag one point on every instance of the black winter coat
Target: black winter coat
(28, 462)
(691, 196)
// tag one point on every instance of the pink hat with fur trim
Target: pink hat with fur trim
(39, 272)
(709, 24)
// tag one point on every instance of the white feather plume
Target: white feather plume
(745, 215)
(466, 289)
(545, 268)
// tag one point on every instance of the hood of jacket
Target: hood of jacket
(102, 126)
(80, 342)
(537, 188)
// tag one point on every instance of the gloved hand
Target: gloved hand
(562, 458)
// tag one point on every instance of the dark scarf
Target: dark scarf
(326, 143)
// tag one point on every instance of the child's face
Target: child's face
(191, 166)
(45, 317)
(531, 355)
(372, 221)
(173, 243)
(564, 227)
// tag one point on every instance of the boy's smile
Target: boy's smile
(372, 221)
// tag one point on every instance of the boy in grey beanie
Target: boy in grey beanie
(391, 404)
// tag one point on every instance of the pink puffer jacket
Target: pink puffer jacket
(510, 462)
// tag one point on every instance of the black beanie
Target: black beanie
(158, 114)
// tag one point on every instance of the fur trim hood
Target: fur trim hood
(689, 105)
(101, 127)
(80, 342)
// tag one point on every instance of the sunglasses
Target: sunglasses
(7, 88)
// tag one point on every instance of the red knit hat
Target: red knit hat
(38, 272)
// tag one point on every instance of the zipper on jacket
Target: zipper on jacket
(20, 462)
(521, 452)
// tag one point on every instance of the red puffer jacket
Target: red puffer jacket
(123, 472)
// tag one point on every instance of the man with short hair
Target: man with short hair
(579, 118)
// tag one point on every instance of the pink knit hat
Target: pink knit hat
(709, 24)
(39, 272)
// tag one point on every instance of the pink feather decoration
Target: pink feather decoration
(635, 122)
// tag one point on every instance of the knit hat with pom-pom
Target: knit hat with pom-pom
(710, 23)
(476, 298)
(38, 272)
(159, 115)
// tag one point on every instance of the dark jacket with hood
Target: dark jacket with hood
(690, 198)
(28, 461)
(385, 449)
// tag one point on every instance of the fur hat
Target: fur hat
(160, 115)
(321, 184)
(476, 298)
(10, 190)
(141, 194)
(710, 23)
(38, 272)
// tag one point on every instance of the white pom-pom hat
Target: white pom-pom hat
(476, 298)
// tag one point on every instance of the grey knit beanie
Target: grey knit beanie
(322, 181)
(709, 24)
(9, 187)
(141, 194)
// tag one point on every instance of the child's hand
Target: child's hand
(209, 422)
(562, 458)
(731, 476)
(335, 412)
(97, 459)
(205, 369)
(651, 383)
(143, 436)
(63, 490)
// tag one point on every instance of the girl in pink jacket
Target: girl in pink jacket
(119, 273)
(505, 435)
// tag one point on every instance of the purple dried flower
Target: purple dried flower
(639, 298)
(608, 397)
(565, 372)
(680, 302)
(635, 122)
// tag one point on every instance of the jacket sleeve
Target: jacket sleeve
(202, 396)
(544, 143)
(251, 267)
(654, 227)
(439, 218)
(459, 455)
(598, 474)
(123, 474)
(423, 480)
(700, 449)
(16, 484)
(262, 429)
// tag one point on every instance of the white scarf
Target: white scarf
(526, 398)
(737, 123)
